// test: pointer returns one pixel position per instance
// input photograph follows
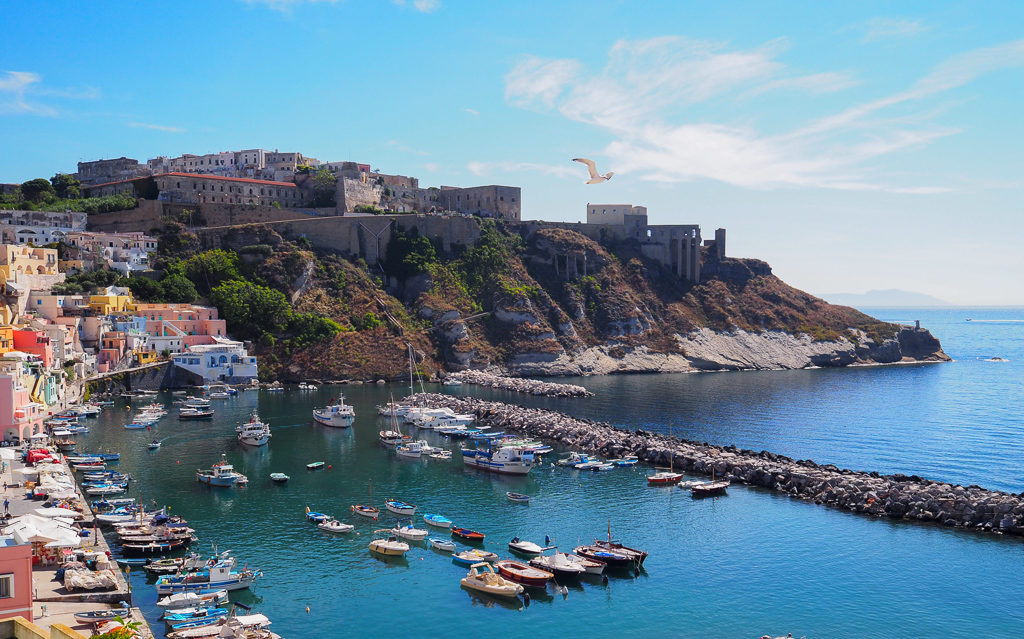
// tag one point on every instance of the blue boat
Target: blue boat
(141, 561)
(202, 613)
(317, 518)
(198, 622)
(104, 456)
(438, 521)
(136, 426)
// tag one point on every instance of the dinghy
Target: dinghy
(97, 616)
(472, 556)
(335, 526)
(399, 507)
(437, 521)
(315, 465)
(525, 547)
(279, 477)
(523, 573)
(519, 498)
(410, 533)
(467, 534)
(444, 545)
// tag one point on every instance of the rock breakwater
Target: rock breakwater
(519, 384)
(896, 496)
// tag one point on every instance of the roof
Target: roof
(202, 176)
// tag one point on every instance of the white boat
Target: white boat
(509, 460)
(386, 543)
(182, 600)
(566, 565)
(441, 454)
(446, 545)
(219, 395)
(254, 432)
(399, 507)
(437, 521)
(481, 577)
(525, 547)
(411, 450)
(221, 474)
(410, 533)
(335, 526)
(219, 576)
(391, 437)
(339, 415)
(451, 382)
(197, 402)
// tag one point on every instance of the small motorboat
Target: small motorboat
(412, 450)
(139, 561)
(154, 445)
(279, 477)
(315, 465)
(481, 577)
(519, 498)
(444, 545)
(315, 517)
(399, 507)
(472, 556)
(190, 614)
(366, 511)
(335, 526)
(451, 382)
(386, 543)
(624, 461)
(98, 616)
(523, 573)
(180, 600)
(437, 521)
(441, 454)
(155, 547)
(525, 547)
(564, 565)
(467, 534)
(410, 533)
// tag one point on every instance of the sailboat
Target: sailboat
(665, 478)
(709, 488)
(392, 437)
(367, 511)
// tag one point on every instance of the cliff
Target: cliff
(554, 302)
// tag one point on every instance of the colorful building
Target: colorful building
(34, 342)
(224, 360)
(20, 417)
(176, 327)
(15, 260)
(15, 579)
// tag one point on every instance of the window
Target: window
(7, 586)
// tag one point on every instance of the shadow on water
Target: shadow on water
(487, 601)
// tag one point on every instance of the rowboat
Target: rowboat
(386, 543)
(315, 517)
(444, 545)
(523, 573)
(410, 533)
(467, 534)
(525, 547)
(279, 477)
(190, 614)
(481, 577)
(315, 465)
(437, 521)
(612, 553)
(97, 616)
(135, 561)
(181, 600)
(624, 461)
(366, 511)
(472, 556)
(335, 526)
(519, 498)
(155, 547)
(569, 566)
(710, 488)
(399, 507)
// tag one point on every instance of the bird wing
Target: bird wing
(590, 166)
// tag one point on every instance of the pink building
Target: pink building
(20, 417)
(113, 346)
(34, 343)
(15, 579)
(175, 327)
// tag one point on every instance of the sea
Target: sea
(739, 566)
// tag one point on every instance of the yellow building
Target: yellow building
(15, 259)
(145, 357)
(6, 339)
(113, 300)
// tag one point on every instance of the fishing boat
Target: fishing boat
(525, 547)
(410, 533)
(154, 445)
(101, 504)
(523, 573)
(97, 616)
(567, 566)
(335, 526)
(437, 521)
(106, 489)
(177, 564)
(317, 465)
(220, 576)
(472, 556)
(467, 534)
(117, 515)
(508, 460)
(363, 510)
(611, 552)
(573, 459)
(279, 477)
(193, 599)
(399, 507)
(174, 619)
(386, 543)
(195, 413)
(254, 432)
(519, 498)
(339, 415)
(441, 454)
(481, 577)
(315, 517)
(155, 547)
(391, 437)
(221, 474)
(445, 545)
(410, 450)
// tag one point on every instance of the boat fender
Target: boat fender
(526, 598)
(604, 579)
(212, 563)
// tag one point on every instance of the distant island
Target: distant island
(886, 297)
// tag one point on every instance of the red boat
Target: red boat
(523, 574)
(663, 478)
(467, 534)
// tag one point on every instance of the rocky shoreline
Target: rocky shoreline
(895, 496)
(518, 384)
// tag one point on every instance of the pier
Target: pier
(519, 384)
(895, 496)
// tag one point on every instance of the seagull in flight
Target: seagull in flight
(595, 177)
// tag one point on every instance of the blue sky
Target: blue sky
(853, 146)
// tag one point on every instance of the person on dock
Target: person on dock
(7, 506)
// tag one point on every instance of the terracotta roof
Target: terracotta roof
(193, 175)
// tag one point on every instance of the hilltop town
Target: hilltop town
(265, 265)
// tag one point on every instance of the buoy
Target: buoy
(526, 598)
(178, 462)
(329, 466)
(307, 610)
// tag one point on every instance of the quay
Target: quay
(896, 496)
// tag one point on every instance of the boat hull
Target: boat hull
(524, 574)
(334, 421)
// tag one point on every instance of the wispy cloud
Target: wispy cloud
(20, 90)
(886, 28)
(155, 127)
(423, 6)
(405, 148)
(488, 168)
(471, 111)
(432, 167)
(641, 95)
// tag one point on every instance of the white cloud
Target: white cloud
(432, 167)
(155, 127)
(487, 168)
(471, 111)
(641, 95)
(406, 149)
(427, 6)
(884, 28)
(285, 6)
(18, 87)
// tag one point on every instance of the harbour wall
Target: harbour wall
(895, 496)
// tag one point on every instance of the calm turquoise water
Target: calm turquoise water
(739, 566)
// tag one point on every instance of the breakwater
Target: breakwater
(519, 384)
(896, 496)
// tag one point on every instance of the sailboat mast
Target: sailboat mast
(411, 389)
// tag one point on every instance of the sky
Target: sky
(853, 146)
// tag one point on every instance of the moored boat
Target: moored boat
(279, 477)
(220, 576)
(315, 517)
(710, 488)
(445, 545)
(509, 460)
(339, 415)
(523, 573)
(410, 533)
(254, 432)
(567, 566)
(519, 498)
(472, 556)
(193, 599)
(481, 577)
(221, 474)
(525, 547)
(97, 616)
(467, 534)
(438, 521)
(399, 507)
(335, 526)
(386, 543)
(317, 465)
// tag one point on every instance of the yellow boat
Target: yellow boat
(482, 577)
(386, 543)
